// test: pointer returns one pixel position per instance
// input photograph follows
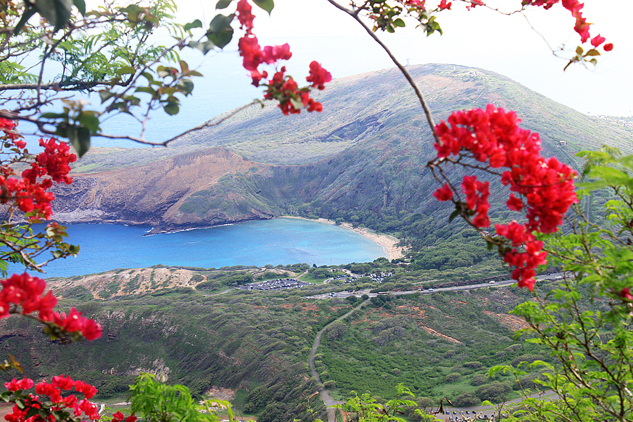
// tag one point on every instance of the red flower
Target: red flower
(86, 389)
(626, 294)
(6, 124)
(271, 54)
(608, 47)
(251, 51)
(245, 16)
(318, 76)
(15, 384)
(597, 40)
(445, 6)
(49, 390)
(65, 383)
(444, 193)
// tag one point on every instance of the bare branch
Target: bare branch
(427, 111)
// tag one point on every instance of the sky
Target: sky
(481, 38)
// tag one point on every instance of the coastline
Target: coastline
(387, 242)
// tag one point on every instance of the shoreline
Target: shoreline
(386, 242)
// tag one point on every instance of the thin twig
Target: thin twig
(427, 111)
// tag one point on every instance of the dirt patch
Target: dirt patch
(221, 393)
(512, 322)
(438, 334)
(128, 282)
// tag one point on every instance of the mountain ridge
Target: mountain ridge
(352, 162)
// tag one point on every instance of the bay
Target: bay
(279, 241)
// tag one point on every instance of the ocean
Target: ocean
(279, 241)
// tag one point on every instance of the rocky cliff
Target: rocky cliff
(152, 194)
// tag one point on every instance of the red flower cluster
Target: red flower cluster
(524, 263)
(546, 185)
(477, 199)
(120, 417)
(250, 49)
(280, 87)
(8, 126)
(285, 90)
(53, 391)
(16, 385)
(75, 322)
(54, 160)
(581, 26)
(26, 291)
(445, 6)
(318, 76)
(245, 16)
(23, 290)
(29, 191)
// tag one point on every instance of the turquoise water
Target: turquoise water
(280, 241)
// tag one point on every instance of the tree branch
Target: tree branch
(405, 73)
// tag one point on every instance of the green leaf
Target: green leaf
(57, 12)
(32, 412)
(171, 108)
(220, 23)
(195, 24)
(81, 6)
(399, 22)
(184, 67)
(163, 71)
(223, 4)
(267, 5)
(148, 90)
(126, 70)
(297, 104)
(25, 17)
(186, 85)
(220, 39)
(54, 115)
(80, 139)
(105, 95)
(89, 120)
(453, 215)
(579, 50)
(592, 52)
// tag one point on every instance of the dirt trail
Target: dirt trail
(329, 401)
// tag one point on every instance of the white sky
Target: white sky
(479, 38)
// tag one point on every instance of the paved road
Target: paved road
(503, 283)
(325, 395)
(329, 401)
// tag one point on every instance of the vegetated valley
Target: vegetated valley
(361, 161)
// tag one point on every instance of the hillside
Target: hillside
(362, 164)
(257, 343)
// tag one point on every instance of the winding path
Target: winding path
(325, 396)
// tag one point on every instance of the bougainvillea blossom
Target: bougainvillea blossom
(28, 293)
(318, 76)
(281, 87)
(541, 188)
(80, 408)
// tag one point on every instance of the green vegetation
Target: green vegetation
(258, 343)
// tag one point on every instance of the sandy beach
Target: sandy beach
(388, 243)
